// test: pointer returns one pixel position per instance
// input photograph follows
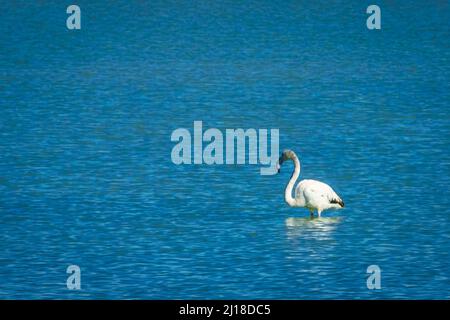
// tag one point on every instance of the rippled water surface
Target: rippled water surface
(86, 176)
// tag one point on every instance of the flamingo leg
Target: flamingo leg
(311, 213)
(319, 212)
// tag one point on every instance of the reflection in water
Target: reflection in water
(311, 228)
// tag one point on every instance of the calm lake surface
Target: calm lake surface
(86, 176)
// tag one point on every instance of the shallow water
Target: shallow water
(85, 170)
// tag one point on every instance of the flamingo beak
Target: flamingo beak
(279, 163)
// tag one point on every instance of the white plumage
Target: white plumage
(310, 194)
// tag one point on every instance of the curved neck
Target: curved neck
(288, 192)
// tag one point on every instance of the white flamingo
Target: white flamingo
(310, 194)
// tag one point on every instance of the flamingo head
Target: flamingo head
(286, 155)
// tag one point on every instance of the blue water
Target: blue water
(86, 176)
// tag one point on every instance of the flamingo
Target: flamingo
(310, 194)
